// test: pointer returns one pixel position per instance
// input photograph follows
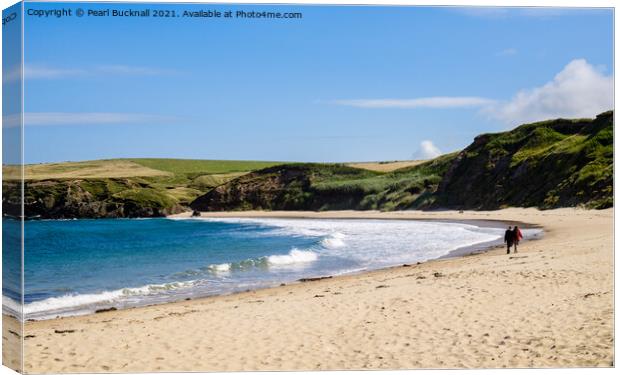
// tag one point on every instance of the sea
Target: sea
(75, 267)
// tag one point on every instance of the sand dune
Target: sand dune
(550, 305)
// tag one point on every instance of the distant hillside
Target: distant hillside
(117, 187)
(327, 187)
(547, 164)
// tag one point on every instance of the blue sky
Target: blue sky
(341, 84)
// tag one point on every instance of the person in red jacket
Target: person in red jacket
(516, 236)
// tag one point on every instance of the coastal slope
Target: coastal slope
(116, 188)
(320, 187)
(548, 164)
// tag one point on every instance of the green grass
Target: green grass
(547, 164)
(152, 184)
(330, 186)
(184, 195)
(201, 175)
(209, 181)
(195, 167)
(147, 197)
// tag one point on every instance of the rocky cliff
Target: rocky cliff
(327, 187)
(80, 198)
(286, 187)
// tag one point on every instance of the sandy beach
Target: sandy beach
(550, 305)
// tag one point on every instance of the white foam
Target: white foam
(75, 300)
(334, 241)
(293, 257)
(376, 243)
(11, 307)
(282, 227)
(224, 267)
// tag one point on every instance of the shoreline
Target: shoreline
(278, 319)
(434, 215)
(468, 250)
(471, 250)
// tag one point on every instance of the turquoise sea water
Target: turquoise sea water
(78, 266)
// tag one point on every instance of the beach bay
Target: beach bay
(549, 305)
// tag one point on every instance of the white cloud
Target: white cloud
(427, 150)
(45, 72)
(579, 90)
(37, 71)
(428, 102)
(507, 52)
(86, 118)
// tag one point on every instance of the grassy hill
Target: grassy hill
(117, 187)
(546, 164)
(116, 168)
(313, 186)
(131, 187)
(194, 167)
(139, 167)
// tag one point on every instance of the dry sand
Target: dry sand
(550, 305)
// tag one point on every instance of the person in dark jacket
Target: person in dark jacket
(516, 236)
(508, 239)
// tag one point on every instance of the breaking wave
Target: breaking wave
(89, 302)
(335, 240)
(293, 257)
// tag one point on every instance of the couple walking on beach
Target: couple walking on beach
(512, 237)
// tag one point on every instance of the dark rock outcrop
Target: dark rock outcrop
(102, 198)
(285, 187)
